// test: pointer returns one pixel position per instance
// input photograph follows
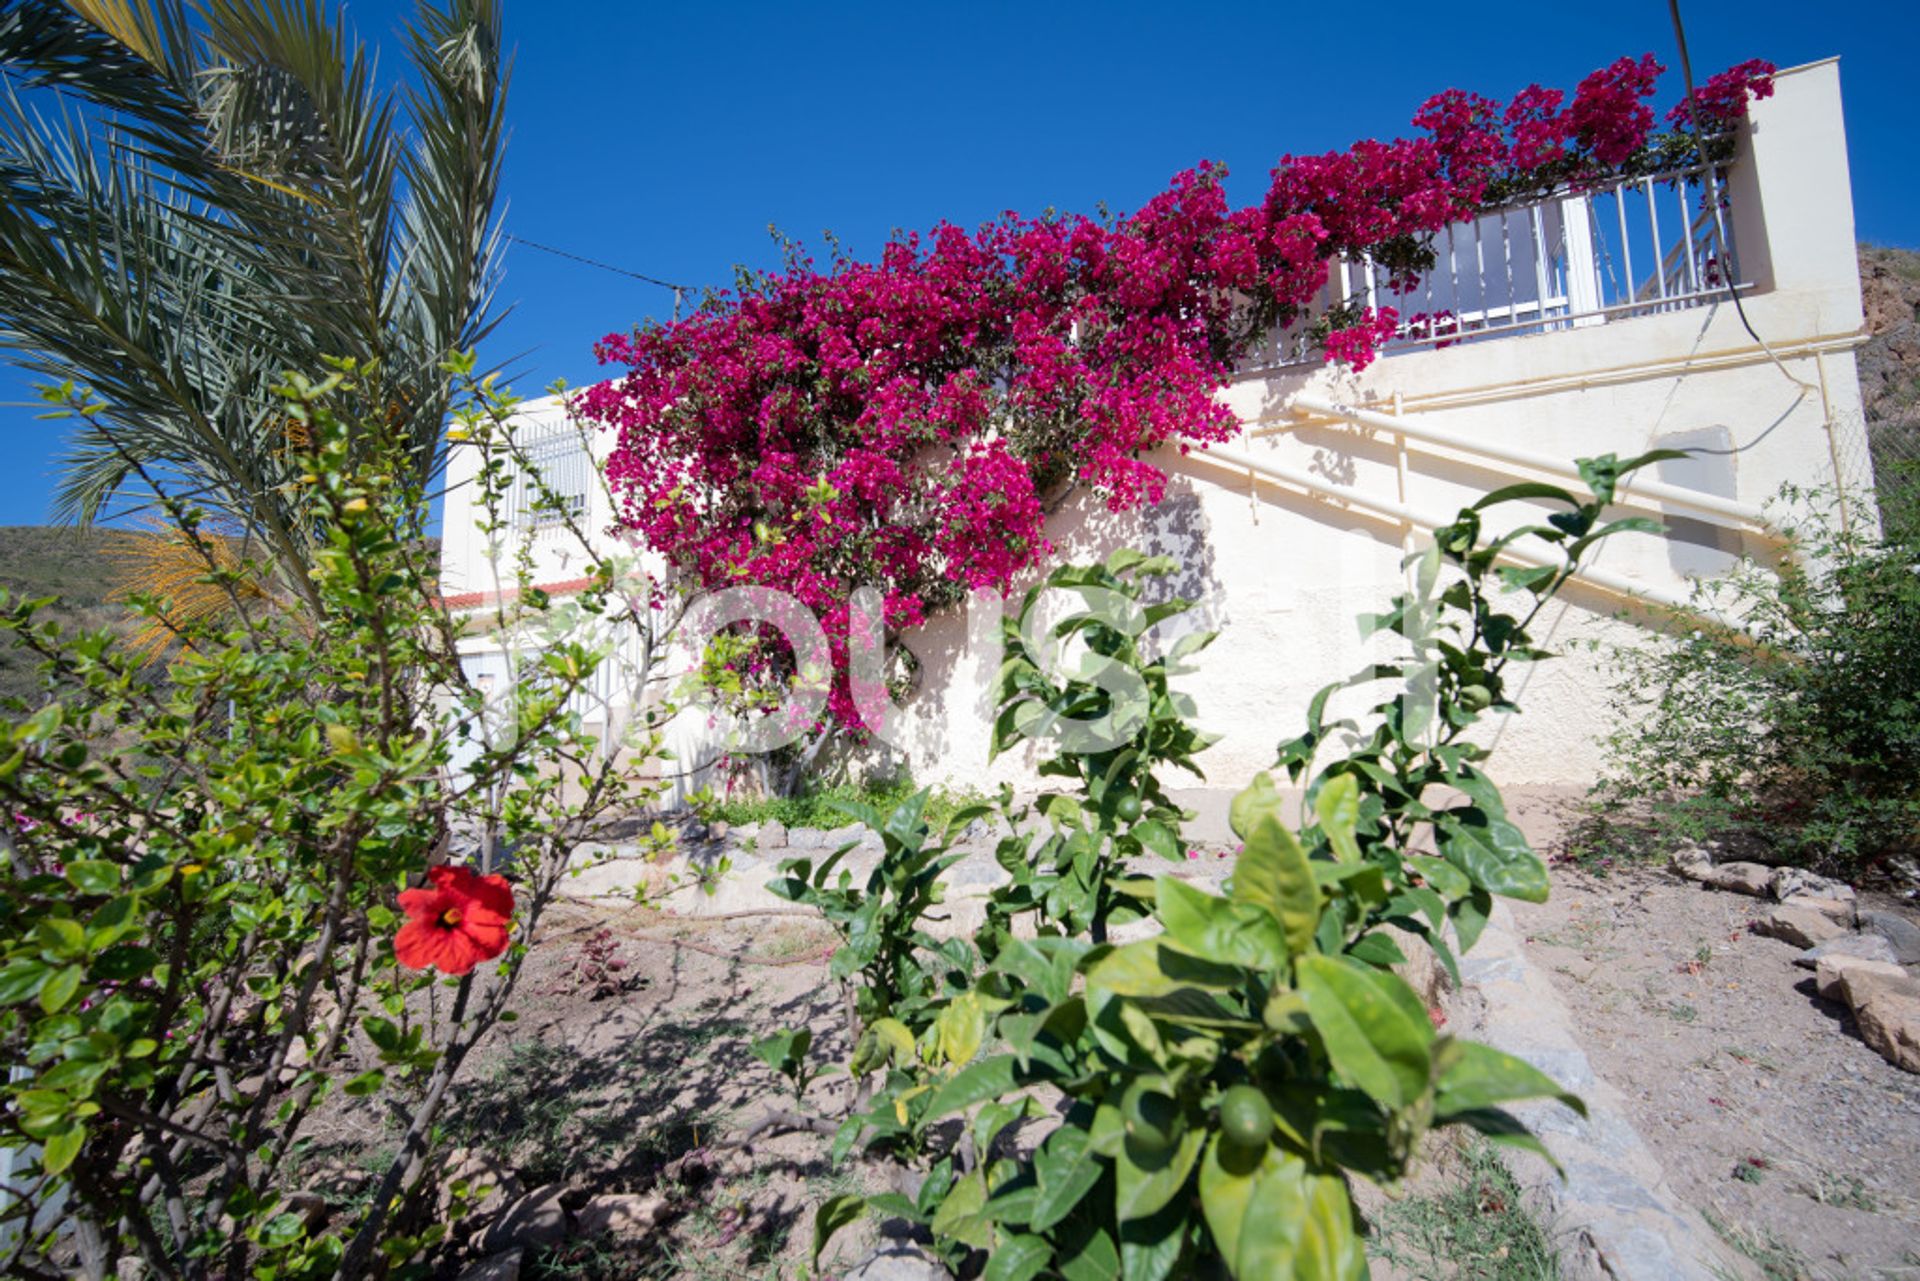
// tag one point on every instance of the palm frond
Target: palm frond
(215, 197)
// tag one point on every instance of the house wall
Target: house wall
(1281, 573)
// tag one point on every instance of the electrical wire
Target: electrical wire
(679, 291)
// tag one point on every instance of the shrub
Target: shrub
(1225, 1076)
(230, 890)
(1785, 713)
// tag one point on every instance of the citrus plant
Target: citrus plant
(1226, 1075)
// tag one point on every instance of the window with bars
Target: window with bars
(553, 482)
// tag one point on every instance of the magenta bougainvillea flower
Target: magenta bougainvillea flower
(904, 423)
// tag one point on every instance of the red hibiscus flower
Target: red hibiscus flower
(458, 921)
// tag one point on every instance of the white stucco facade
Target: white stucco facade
(1281, 569)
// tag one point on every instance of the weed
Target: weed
(1751, 1169)
(1479, 1227)
(1843, 1190)
(1776, 1260)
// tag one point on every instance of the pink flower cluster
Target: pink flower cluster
(1721, 103)
(899, 422)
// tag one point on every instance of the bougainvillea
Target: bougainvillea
(905, 423)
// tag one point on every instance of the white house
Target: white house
(1589, 323)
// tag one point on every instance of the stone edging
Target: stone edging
(1615, 1216)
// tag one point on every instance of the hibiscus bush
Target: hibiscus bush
(908, 423)
(1209, 1086)
(241, 885)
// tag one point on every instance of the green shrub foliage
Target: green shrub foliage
(197, 925)
(1227, 1070)
(1784, 714)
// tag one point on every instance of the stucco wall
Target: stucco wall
(1282, 574)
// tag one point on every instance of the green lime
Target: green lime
(1128, 807)
(1245, 1118)
(1477, 698)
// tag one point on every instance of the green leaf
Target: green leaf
(20, 979)
(1471, 1076)
(833, 1215)
(988, 1078)
(1449, 880)
(959, 1215)
(1157, 837)
(1531, 489)
(125, 962)
(784, 1051)
(59, 989)
(1146, 1181)
(1260, 799)
(1254, 1211)
(1493, 853)
(58, 1150)
(1018, 1258)
(1377, 949)
(1219, 929)
(1274, 872)
(1067, 1169)
(365, 1083)
(93, 876)
(1338, 808)
(1367, 1031)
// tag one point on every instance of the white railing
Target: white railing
(1631, 247)
(558, 452)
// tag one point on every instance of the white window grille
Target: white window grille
(556, 470)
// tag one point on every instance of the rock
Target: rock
(773, 835)
(1867, 947)
(1829, 976)
(1887, 1008)
(719, 829)
(898, 1261)
(131, 1267)
(1835, 909)
(1799, 926)
(1691, 862)
(848, 834)
(334, 1176)
(1793, 882)
(504, 1266)
(621, 1214)
(310, 1206)
(534, 1220)
(1903, 935)
(806, 838)
(491, 1182)
(1740, 878)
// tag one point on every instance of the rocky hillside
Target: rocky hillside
(1890, 378)
(73, 566)
(1890, 362)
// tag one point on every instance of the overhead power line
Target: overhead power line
(679, 291)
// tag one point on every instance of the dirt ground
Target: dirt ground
(601, 1091)
(1772, 1117)
(1795, 1139)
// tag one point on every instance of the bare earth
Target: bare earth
(1798, 1141)
(1771, 1116)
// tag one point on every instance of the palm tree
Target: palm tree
(198, 197)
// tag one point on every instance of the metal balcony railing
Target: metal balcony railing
(1631, 247)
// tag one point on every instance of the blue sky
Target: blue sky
(666, 138)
